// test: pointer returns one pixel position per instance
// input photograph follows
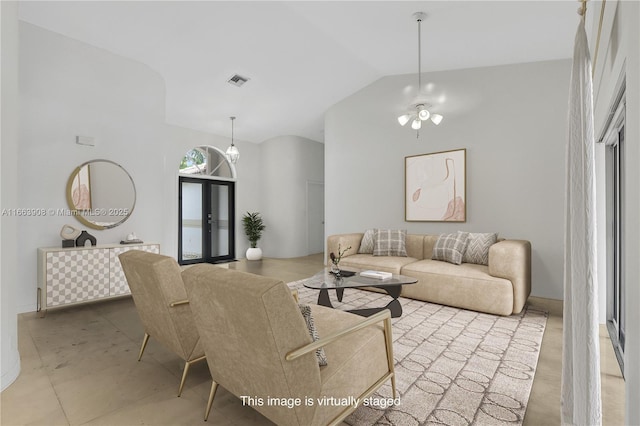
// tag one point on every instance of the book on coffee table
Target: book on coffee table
(381, 275)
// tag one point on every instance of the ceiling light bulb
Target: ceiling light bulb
(404, 119)
(416, 124)
(233, 154)
(423, 114)
(436, 118)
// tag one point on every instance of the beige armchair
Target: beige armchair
(161, 300)
(258, 346)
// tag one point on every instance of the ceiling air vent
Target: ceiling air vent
(238, 80)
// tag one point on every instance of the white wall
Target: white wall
(620, 50)
(69, 88)
(512, 121)
(10, 358)
(288, 163)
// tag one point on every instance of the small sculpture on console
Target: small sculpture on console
(69, 235)
(83, 238)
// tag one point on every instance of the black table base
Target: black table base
(394, 306)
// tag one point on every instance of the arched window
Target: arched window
(207, 161)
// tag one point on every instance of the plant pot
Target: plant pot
(254, 253)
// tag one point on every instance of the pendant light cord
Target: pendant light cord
(419, 64)
(419, 56)
(232, 119)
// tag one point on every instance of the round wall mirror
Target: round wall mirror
(101, 194)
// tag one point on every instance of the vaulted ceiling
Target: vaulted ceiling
(301, 56)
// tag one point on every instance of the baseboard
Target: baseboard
(10, 376)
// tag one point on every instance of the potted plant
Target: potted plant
(253, 227)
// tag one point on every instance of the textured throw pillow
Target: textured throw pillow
(308, 318)
(450, 247)
(366, 245)
(478, 248)
(389, 242)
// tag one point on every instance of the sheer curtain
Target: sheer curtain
(581, 403)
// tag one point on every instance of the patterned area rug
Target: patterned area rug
(453, 367)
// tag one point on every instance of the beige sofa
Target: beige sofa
(501, 288)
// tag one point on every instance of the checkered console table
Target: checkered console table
(69, 276)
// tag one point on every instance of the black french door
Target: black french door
(206, 220)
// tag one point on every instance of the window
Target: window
(206, 161)
(614, 140)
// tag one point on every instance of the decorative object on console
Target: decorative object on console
(233, 155)
(253, 227)
(69, 235)
(451, 247)
(435, 187)
(131, 239)
(419, 110)
(389, 242)
(84, 237)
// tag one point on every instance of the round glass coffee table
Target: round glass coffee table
(325, 281)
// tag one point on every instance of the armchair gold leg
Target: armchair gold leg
(144, 345)
(184, 377)
(187, 365)
(389, 344)
(212, 394)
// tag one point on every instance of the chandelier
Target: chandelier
(232, 153)
(419, 112)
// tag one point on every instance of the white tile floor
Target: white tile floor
(79, 367)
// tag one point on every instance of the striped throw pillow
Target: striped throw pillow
(390, 242)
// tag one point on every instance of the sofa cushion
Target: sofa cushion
(391, 264)
(389, 242)
(366, 245)
(415, 246)
(477, 250)
(466, 286)
(450, 247)
(305, 310)
(429, 241)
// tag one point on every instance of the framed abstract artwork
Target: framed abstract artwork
(435, 187)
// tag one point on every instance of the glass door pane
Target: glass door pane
(191, 223)
(219, 220)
